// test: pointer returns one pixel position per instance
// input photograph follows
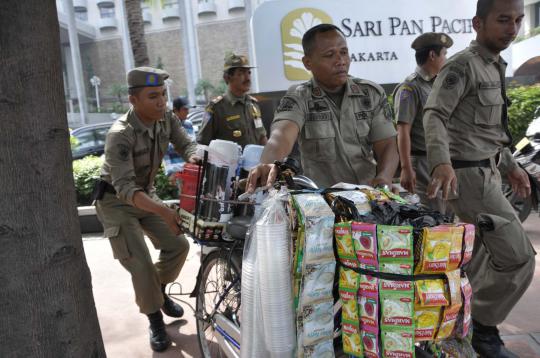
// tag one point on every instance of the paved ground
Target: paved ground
(125, 332)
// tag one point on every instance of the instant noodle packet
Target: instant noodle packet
(426, 322)
(431, 293)
(448, 322)
(397, 342)
(435, 252)
(456, 248)
(364, 237)
(370, 343)
(397, 309)
(352, 343)
(468, 242)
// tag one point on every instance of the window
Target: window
(81, 15)
(106, 12)
(167, 4)
(537, 14)
(101, 134)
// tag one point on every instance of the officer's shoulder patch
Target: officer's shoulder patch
(286, 104)
(450, 80)
(123, 151)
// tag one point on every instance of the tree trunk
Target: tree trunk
(46, 303)
(136, 32)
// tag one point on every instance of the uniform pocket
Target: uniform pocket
(118, 243)
(505, 241)
(320, 141)
(488, 113)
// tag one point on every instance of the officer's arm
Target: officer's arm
(142, 201)
(406, 109)
(282, 138)
(387, 160)
(181, 141)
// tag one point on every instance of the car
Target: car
(90, 140)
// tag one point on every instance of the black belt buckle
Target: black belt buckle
(460, 164)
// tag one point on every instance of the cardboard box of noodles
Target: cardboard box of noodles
(204, 231)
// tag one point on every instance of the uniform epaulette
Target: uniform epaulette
(462, 57)
(217, 99)
(253, 99)
(361, 81)
(410, 78)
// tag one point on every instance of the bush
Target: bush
(87, 170)
(525, 100)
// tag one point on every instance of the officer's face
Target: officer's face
(329, 60)
(240, 80)
(501, 25)
(181, 113)
(150, 103)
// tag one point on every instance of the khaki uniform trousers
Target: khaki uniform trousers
(420, 167)
(503, 261)
(124, 226)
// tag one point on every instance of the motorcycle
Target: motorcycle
(527, 154)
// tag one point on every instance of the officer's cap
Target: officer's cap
(233, 61)
(430, 39)
(146, 77)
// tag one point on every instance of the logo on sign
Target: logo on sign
(293, 27)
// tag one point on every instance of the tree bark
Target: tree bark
(46, 303)
(136, 32)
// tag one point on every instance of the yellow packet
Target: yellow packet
(456, 248)
(426, 322)
(352, 343)
(431, 293)
(435, 253)
(448, 323)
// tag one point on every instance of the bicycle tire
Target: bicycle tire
(215, 278)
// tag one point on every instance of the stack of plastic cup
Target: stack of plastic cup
(252, 342)
(273, 257)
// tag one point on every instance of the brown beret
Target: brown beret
(432, 39)
(146, 77)
(233, 61)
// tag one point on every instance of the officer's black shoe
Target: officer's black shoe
(487, 342)
(159, 340)
(170, 308)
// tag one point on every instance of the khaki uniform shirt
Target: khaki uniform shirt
(133, 152)
(463, 113)
(409, 100)
(236, 119)
(336, 143)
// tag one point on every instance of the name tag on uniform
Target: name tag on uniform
(258, 123)
(232, 118)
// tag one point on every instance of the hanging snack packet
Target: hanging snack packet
(322, 349)
(448, 323)
(464, 318)
(318, 322)
(426, 322)
(454, 287)
(397, 342)
(349, 310)
(352, 344)
(468, 242)
(395, 243)
(374, 194)
(369, 285)
(349, 282)
(318, 282)
(369, 312)
(396, 268)
(360, 199)
(344, 244)
(435, 253)
(431, 293)
(364, 238)
(457, 246)
(397, 309)
(370, 343)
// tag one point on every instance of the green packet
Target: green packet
(397, 309)
(397, 342)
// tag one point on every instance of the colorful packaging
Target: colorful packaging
(395, 243)
(431, 293)
(369, 285)
(468, 243)
(370, 343)
(396, 267)
(374, 194)
(364, 238)
(454, 286)
(464, 318)
(397, 342)
(448, 322)
(397, 309)
(322, 349)
(360, 199)
(426, 322)
(352, 344)
(318, 282)
(318, 322)
(344, 241)
(436, 246)
(400, 269)
(457, 246)
(349, 310)
(369, 313)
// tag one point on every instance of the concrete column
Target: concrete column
(76, 58)
(248, 10)
(126, 41)
(190, 44)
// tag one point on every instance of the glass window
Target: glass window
(81, 15)
(106, 12)
(537, 15)
(101, 134)
(84, 140)
(170, 4)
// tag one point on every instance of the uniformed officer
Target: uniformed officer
(466, 127)
(340, 121)
(235, 116)
(128, 207)
(409, 100)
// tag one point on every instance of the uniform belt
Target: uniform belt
(459, 164)
(419, 153)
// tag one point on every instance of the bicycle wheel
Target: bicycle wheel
(218, 296)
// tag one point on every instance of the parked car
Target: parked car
(90, 140)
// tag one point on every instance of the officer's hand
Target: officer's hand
(380, 181)
(443, 178)
(172, 219)
(408, 179)
(519, 180)
(262, 175)
(194, 159)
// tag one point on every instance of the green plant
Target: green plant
(85, 173)
(220, 88)
(525, 100)
(204, 87)
(164, 189)
(119, 91)
(532, 33)
(159, 63)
